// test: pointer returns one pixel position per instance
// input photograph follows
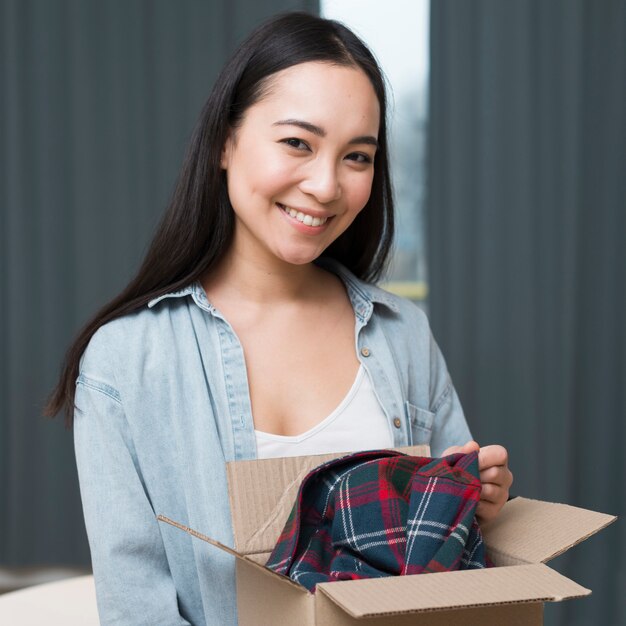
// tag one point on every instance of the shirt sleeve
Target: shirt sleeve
(133, 581)
(449, 425)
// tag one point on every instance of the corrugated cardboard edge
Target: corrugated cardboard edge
(522, 614)
(262, 493)
(422, 593)
(266, 571)
(534, 531)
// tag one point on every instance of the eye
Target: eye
(294, 142)
(359, 157)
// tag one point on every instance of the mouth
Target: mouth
(303, 218)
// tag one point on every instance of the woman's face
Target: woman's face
(300, 166)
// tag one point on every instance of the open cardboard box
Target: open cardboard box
(525, 535)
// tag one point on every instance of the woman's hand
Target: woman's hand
(495, 476)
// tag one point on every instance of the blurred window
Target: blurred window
(397, 33)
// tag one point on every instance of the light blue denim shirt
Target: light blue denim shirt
(162, 403)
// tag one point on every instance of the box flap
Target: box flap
(251, 561)
(262, 493)
(451, 590)
(198, 535)
(536, 531)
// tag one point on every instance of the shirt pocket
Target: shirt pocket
(421, 422)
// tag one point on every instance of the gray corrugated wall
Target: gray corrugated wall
(527, 254)
(97, 101)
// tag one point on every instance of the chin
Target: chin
(300, 258)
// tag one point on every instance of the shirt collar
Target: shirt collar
(362, 295)
(193, 289)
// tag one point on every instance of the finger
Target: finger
(486, 511)
(470, 446)
(489, 456)
(491, 475)
(493, 493)
(498, 475)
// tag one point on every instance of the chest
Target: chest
(192, 372)
(298, 370)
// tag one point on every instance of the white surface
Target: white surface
(70, 602)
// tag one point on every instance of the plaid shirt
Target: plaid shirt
(382, 513)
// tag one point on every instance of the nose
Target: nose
(321, 181)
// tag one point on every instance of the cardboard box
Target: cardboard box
(525, 535)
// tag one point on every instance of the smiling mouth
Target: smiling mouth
(307, 220)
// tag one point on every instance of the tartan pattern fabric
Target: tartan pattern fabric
(382, 513)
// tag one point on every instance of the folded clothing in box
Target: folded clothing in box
(382, 513)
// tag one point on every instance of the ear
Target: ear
(226, 151)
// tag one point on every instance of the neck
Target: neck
(252, 280)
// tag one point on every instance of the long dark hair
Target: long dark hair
(197, 227)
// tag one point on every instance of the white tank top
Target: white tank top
(358, 423)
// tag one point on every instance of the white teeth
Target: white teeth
(308, 220)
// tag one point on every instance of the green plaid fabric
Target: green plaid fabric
(382, 513)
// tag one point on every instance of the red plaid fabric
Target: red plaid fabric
(382, 513)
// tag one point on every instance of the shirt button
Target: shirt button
(365, 351)
(396, 422)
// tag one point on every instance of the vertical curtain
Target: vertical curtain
(527, 254)
(97, 102)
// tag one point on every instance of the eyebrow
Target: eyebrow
(320, 132)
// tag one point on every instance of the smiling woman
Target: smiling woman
(299, 167)
(253, 328)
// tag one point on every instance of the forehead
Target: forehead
(330, 95)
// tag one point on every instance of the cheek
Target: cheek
(258, 174)
(359, 192)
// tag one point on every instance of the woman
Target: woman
(253, 327)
